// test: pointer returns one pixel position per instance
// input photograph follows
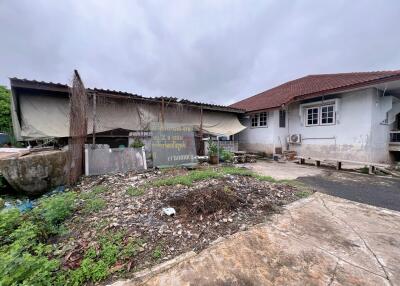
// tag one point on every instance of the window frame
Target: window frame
(319, 115)
(306, 117)
(254, 124)
(282, 113)
(327, 112)
(264, 115)
(257, 123)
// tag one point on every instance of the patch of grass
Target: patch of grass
(157, 253)
(198, 175)
(189, 178)
(135, 192)
(94, 205)
(235, 171)
(303, 194)
(99, 189)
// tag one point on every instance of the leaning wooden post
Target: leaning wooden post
(77, 128)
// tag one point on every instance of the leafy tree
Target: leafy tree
(5, 112)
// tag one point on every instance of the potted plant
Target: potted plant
(212, 152)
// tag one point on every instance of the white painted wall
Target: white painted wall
(257, 139)
(358, 134)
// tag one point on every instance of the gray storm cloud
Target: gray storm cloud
(210, 51)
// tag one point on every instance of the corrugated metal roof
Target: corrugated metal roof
(50, 86)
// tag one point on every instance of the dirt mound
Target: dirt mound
(207, 200)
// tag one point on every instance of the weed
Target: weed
(157, 253)
(134, 192)
(94, 205)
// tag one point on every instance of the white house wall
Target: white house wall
(359, 133)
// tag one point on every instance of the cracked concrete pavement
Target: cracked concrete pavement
(321, 240)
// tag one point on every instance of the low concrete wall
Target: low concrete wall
(37, 172)
(104, 160)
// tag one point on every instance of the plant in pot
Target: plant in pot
(212, 152)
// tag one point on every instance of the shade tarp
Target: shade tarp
(45, 116)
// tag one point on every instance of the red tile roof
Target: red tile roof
(314, 86)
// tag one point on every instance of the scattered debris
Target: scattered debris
(169, 211)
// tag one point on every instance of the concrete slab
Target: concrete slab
(322, 240)
(283, 170)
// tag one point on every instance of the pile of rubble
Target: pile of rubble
(202, 212)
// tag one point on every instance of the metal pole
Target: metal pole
(94, 121)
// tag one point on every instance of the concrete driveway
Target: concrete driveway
(321, 240)
(368, 189)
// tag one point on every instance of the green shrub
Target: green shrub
(9, 220)
(227, 156)
(137, 143)
(56, 209)
(364, 170)
(212, 148)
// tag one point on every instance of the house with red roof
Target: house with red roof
(348, 116)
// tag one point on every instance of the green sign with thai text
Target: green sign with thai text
(172, 144)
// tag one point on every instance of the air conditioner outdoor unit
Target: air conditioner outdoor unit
(294, 138)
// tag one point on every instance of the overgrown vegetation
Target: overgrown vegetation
(5, 112)
(99, 262)
(24, 256)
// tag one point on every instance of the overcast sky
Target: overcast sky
(211, 51)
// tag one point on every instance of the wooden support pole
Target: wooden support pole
(201, 151)
(94, 121)
(162, 110)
